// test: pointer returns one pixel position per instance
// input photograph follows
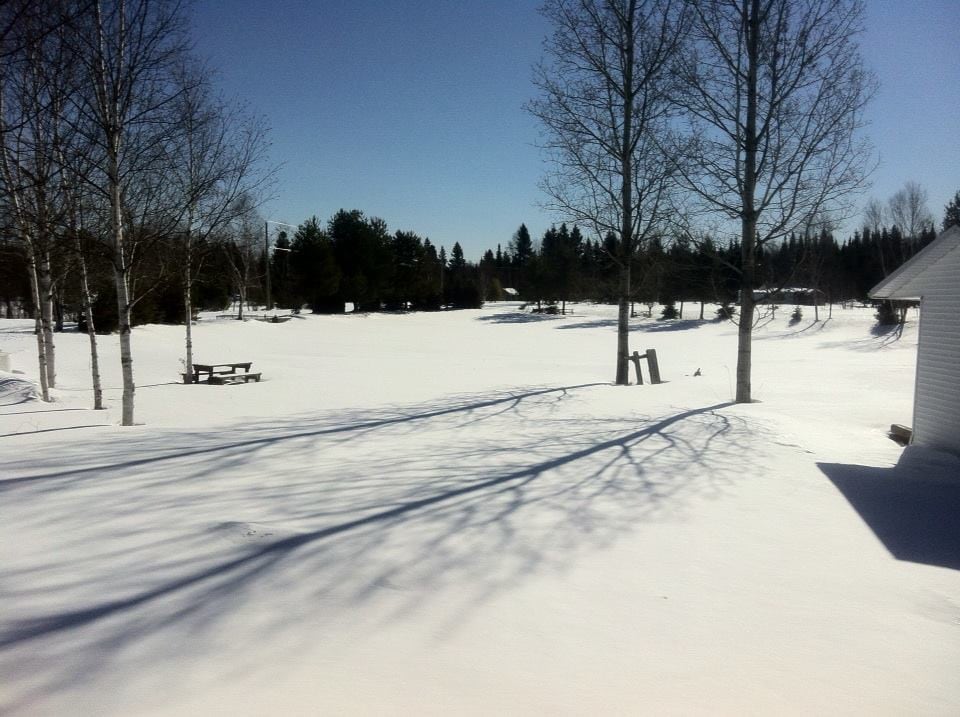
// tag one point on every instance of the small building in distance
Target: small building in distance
(933, 277)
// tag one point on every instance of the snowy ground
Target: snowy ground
(456, 513)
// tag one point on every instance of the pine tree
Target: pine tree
(457, 262)
(463, 290)
(951, 213)
(315, 272)
(521, 246)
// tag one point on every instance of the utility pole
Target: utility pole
(266, 254)
(266, 260)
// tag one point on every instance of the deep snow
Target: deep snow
(457, 513)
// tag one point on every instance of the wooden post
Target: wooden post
(636, 363)
(652, 365)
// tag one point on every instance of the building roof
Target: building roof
(906, 282)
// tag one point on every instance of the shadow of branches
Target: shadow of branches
(166, 541)
(518, 317)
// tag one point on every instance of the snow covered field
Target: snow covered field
(456, 513)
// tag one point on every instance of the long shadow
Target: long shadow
(812, 328)
(52, 430)
(235, 571)
(675, 325)
(912, 508)
(666, 325)
(49, 410)
(509, 398)
(882, 337)
(888, 331)
(593, 324)
(518, 317)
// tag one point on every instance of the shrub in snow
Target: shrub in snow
(726, 311)
(797, 316)
(669, 311)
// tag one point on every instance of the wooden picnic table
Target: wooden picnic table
(221, 369)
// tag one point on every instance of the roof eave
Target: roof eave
(901, 284)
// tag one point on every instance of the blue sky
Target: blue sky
(412, 111)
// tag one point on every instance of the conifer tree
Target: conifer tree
(951, 213)
(314, 269)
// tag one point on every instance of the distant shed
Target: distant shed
(933, 276)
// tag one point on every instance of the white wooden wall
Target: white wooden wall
(936, 420)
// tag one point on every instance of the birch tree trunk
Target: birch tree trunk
(12, 179)
(45, 288)
(41, 344)
(242, 293)
(91, 329)
(121, 280)
(187, 303)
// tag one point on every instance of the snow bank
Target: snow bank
(16, 389)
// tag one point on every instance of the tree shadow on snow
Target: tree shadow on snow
(518, 317)
(593, 324)
(881, 337)
(911, 508)
(53, 430)
(675, 325)
(814, 327)
(169, 537)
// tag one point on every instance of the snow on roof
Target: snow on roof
(904, 282)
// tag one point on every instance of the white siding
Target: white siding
(936, 420)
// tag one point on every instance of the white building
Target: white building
(933, 276)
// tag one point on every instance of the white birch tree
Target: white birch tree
(129, 50)
(219, 158)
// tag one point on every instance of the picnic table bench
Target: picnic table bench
(220, 373)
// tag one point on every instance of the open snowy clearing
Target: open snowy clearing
(456, 513)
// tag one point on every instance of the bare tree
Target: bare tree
(62, 77)
(604, 99)
(30, 112)
(129, 50)
(775, 92)
(874, 214)
(909, 211)
(219, 159)
(242, 246)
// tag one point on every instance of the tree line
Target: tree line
(564, 266)
(356, 260)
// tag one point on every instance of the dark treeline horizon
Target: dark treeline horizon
(355, 259)
(563, 266)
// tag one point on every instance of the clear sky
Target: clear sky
(413, 110)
